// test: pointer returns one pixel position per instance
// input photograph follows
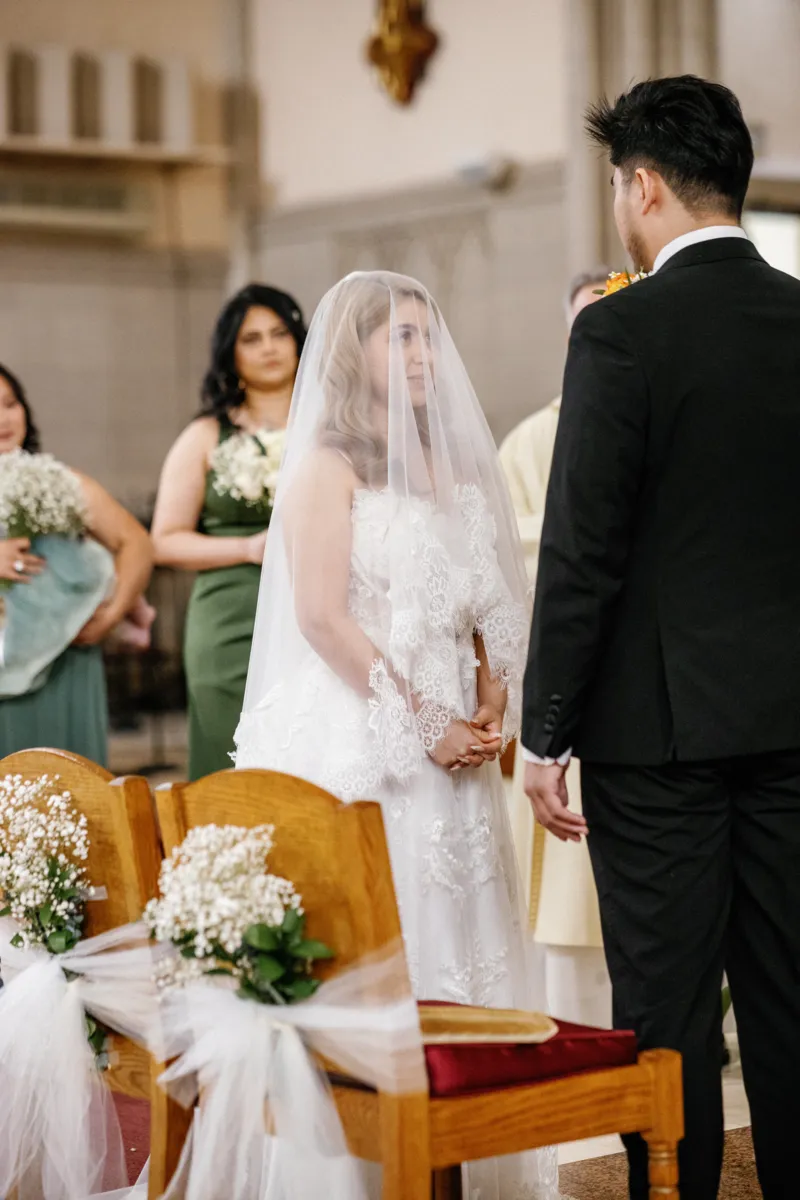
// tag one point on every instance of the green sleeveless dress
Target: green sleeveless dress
(219, 630)
(70, 712)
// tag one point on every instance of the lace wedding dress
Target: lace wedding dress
(449, 840)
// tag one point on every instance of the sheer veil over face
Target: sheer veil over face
(383, 400)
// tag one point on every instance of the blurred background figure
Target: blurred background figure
(563, 907)
(214, 504)
(66, 706)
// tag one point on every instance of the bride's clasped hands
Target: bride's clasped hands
(467, 744)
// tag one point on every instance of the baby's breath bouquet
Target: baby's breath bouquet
(43, 844)
(38, 496)
(246, 467)
(43, 501)
(226, 915)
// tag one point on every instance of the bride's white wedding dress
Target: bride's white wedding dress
(449, 840)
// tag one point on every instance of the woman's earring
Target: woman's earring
(241, 385)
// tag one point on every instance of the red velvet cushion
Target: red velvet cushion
(455, 1069)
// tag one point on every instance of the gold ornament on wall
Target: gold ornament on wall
(401, 47)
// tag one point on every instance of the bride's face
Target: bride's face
(407, 336)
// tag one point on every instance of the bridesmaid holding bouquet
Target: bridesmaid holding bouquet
(73, 566)
(215, 501)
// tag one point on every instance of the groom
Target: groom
(665, 649)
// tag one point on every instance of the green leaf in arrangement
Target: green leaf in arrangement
(248, 992)
(262, 937)
(45, 915)
(17, 941)
(293, 922)
(300, 989)
(268, 969)
(58, 941)
(218, 971)
(6, 912)
(313, 949)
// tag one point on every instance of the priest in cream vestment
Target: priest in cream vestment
(557, 875)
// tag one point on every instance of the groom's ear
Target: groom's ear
(647, 185)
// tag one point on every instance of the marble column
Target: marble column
(584, 206)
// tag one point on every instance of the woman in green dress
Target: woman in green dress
(69, 710)
(205, 523)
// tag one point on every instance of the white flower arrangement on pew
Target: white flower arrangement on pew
(246, 467)
(226, 915)
(39, 495)
(43, 842)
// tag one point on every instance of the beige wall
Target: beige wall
(188, 206)
(192, 28)
(760, 60)
(329, 130)
(494, 263)
(110, 335)
(111, 347)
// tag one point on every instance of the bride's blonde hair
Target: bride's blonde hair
(362, 304)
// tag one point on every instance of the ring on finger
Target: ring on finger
(19, 567)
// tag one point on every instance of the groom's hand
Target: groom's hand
(546, 788)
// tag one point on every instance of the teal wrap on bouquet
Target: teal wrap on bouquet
(43, 616)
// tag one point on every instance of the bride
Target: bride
(390, 640)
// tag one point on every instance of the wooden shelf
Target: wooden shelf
(25, 148)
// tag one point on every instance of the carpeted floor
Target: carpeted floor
(607, 1178)
(134, 1120)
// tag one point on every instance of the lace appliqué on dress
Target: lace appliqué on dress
(392, 723)
(461, 857)
(477, 978)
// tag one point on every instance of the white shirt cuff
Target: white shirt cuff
(562, 760)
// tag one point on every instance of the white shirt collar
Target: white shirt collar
(708, 234)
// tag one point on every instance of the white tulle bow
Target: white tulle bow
(59, 1135)
(246, 1059)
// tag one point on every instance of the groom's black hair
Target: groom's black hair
(689, 130)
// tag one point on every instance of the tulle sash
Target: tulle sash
(252, 1062)
(59, 1134)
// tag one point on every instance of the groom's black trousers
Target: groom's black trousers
(698, 872)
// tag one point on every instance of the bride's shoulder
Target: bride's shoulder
(327, 470)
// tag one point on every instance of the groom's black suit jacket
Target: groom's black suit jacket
(667, 614)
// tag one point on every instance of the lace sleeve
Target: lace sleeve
(404, 735)
(393, 725)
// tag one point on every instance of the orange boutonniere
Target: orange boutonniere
(618, 280)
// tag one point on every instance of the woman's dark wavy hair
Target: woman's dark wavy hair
(32, 442)
(689, 130)
(221, 391)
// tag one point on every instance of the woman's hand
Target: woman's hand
(255, 548)
(16, 563)
(488, 725)
(463, 746)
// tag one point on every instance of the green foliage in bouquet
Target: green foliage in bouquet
(273, 964)
(225, 915)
